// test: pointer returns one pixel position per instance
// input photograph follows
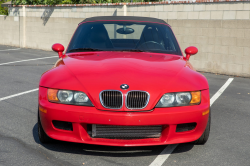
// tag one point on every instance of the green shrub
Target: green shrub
(3, 10)
(54, 2)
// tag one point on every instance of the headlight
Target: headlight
(180, 99)
(68, 97)
(81, 97)
(167, 100)
(65, 96)
(183, 98)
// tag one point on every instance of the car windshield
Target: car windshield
(124, 36)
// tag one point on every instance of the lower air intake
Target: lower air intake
(62, 125)
(125, 132)
(185, 127)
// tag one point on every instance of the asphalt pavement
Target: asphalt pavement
(228, 144)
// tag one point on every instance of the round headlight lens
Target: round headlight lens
(81, 97)
(183, 98)
(167, 100)
(65, 96)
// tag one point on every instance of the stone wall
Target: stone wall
(220, 30)
(9, 31)
(223, 45)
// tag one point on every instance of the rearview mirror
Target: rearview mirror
(58, 48)
(190, 51)
(125, 30)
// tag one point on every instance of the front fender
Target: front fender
(60, 78)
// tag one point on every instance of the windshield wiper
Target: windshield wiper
(84, 49)
(134, 50)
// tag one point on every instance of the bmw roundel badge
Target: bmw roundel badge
(124, 86)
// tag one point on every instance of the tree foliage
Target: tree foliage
(55, 2)
(3, 10)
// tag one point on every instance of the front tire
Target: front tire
(204, 137)
(43, 137)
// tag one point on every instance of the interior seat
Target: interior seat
(98, 37)
(150, 33)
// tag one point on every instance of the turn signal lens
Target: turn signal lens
(196, 97)
(52, 95)
(42, 109)
(205, 113)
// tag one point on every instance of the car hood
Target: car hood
(152, 72)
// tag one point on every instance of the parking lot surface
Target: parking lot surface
(20, 71)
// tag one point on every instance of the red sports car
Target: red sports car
(123, 81)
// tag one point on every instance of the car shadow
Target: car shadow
(184, 147)
(108, 151)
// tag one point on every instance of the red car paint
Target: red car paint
(58, 48)
(93, 72)
(190, 51)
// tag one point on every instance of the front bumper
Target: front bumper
(80, 116)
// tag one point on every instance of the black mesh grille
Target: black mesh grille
(125, 132)
(185, 127)
(137, 100)
(111, 99)
(62, 125)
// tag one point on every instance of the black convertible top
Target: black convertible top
(131, 18)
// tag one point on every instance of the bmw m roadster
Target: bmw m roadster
(123, 81)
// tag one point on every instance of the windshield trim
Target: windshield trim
(123, 18)
(97, 52)
(125, 21)
(156, 52)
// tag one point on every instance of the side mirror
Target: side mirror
(190, 51)
(58, 48)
